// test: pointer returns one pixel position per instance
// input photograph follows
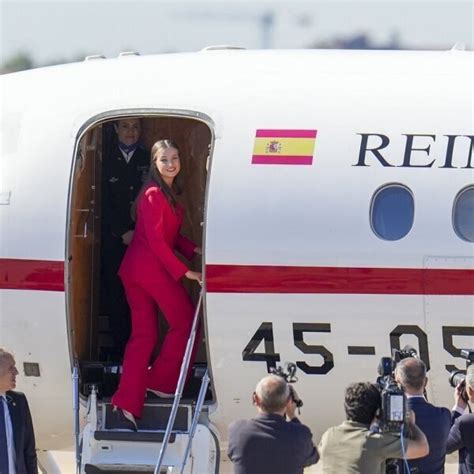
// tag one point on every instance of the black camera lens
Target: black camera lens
(456, 377)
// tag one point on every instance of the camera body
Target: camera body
(393, 407)
(458, 377)
(287, 372)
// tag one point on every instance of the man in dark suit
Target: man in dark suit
(268, 442)
(435, 422)
(125, 168)
(461, 436)
(17, 439)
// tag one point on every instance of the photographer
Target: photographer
(461, 436)
(435, 422)
(353, 448)
(269, 443)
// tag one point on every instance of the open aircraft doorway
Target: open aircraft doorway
(92, 350)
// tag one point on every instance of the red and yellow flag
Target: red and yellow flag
(284, 147)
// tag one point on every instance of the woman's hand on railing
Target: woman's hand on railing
(190, 275)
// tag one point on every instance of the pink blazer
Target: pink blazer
(156, 236)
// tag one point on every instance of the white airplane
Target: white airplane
(336, 192)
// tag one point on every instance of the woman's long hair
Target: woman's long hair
(154, 177)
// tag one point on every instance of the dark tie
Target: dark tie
(3, 440)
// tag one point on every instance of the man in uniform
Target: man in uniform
(125, 169)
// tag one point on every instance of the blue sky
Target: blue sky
(68, 28)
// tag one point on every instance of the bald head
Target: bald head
(411, 374)
(272, 394)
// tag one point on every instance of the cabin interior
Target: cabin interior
(91, 340)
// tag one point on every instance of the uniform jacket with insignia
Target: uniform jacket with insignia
(121, 183)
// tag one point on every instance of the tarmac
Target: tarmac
(450, 467)
(65, 465)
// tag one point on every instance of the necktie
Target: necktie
(3, 440)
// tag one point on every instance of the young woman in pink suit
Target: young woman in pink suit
(151, 275)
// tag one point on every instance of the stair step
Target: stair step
(132, 436)
(106, 376)
(154, 418)
(121, 469)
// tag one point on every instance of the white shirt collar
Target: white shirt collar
(415, 396)
(127, 156)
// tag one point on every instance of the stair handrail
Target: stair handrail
(180, 385)
(75, 408)
(197, 411)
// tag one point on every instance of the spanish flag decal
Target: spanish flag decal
(284, 147)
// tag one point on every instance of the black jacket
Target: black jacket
(121, 183)
(268, 443)
(23, 434)
(435, 422)
(461, 438)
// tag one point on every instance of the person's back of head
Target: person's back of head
(272, 394)
(362, 400)
(411, 374)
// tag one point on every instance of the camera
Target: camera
(287, 372)
(393, 407)
(457, 377)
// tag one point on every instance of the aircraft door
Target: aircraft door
(84, 245)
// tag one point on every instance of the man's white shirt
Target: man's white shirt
(127, 156)
(459, 409)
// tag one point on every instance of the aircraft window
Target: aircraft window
(463, 211)
(392, 212)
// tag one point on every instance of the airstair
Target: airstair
(173, 436)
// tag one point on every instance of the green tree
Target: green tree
(18, 62)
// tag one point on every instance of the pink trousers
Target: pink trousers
(163, 374)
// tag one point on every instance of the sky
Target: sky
(67, 28)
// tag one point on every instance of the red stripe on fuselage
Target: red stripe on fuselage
(18, 274)
(338, 280)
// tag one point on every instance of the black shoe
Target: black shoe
(121, 421)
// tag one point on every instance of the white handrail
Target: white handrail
(75, 408)
(179, 386)
(200, 402)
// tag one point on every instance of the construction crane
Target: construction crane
(265, 20)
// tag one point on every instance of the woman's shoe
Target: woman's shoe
(160, 394)
(124, 420)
